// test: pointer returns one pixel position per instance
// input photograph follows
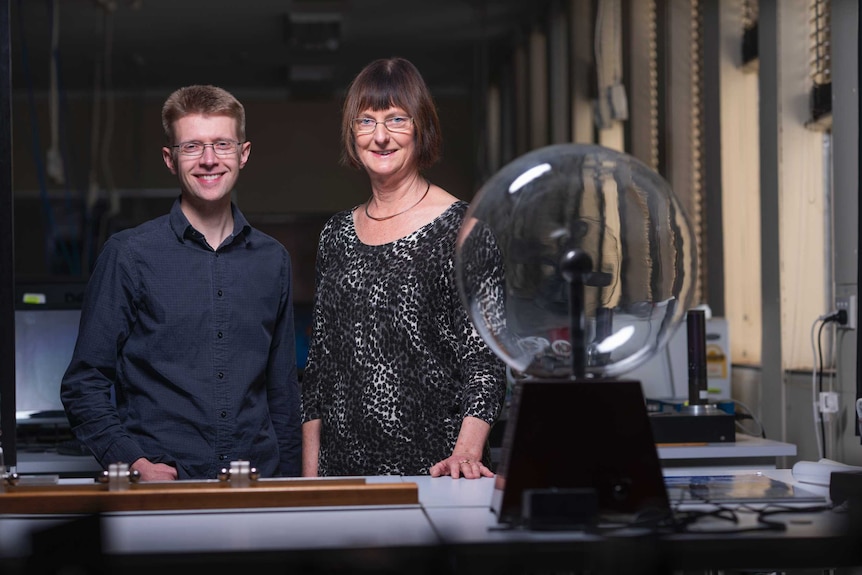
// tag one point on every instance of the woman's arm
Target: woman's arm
(466, 458)
(310, 447)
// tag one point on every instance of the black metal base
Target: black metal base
(709, 427)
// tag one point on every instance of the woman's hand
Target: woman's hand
(466, 458)
(460, 465)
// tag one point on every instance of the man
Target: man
(188, 318)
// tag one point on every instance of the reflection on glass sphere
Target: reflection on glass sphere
(582, 224)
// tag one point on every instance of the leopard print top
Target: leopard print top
(394, 363)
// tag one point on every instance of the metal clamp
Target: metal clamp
(9, 479)
(240, 474)
(119, 477)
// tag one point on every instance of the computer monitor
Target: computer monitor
(47, 315)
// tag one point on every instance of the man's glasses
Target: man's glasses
(393, 124)
(196, 149)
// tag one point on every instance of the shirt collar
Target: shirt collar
(183, 229)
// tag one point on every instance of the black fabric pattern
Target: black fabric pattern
(394, 364)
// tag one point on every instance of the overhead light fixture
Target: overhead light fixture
(314, 27)
(310, 73)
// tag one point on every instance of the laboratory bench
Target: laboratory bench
(451, 528)
(747, 451)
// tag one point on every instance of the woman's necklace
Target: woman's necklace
(399, 213)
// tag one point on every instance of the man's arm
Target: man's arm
(106, 320)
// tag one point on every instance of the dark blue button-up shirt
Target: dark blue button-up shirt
(197, 346)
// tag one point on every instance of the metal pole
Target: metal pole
(698, 385)
(7, 250)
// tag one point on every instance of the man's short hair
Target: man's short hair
(204, 100)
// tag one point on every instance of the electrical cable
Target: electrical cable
(75, 204)
(820, 387)
(750, 415)
(113, 207)
(91, 204)
(814, 402)
(108, 136)
(52, 241)
(53, 159)
(819, 427)
(59, 152)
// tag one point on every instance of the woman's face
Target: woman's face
(390, 148)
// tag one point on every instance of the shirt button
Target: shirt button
(220, 335)
(220, 375)
(221, 457)
(219, 292)
(224, 413)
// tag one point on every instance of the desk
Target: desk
(451, 530)
(53, 463)
(747, 451)
(472, 533)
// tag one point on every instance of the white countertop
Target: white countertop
(744, 446)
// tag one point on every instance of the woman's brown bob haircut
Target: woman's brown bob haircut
(203, 100)
(387, 83)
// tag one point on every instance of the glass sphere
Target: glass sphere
(576, 261)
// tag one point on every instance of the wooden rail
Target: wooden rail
(189, 495)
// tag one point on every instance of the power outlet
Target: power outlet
(848, 304)
(828, 402)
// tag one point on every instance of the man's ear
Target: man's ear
(245, 150)
(168, 157)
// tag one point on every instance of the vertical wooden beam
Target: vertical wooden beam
(772, 399)
(713, 289)
(581, 39)
(846, 179)
(559, 73)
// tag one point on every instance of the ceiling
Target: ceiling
(303, 48)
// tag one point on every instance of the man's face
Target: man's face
(209, 177)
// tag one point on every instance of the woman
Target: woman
(398, 382)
